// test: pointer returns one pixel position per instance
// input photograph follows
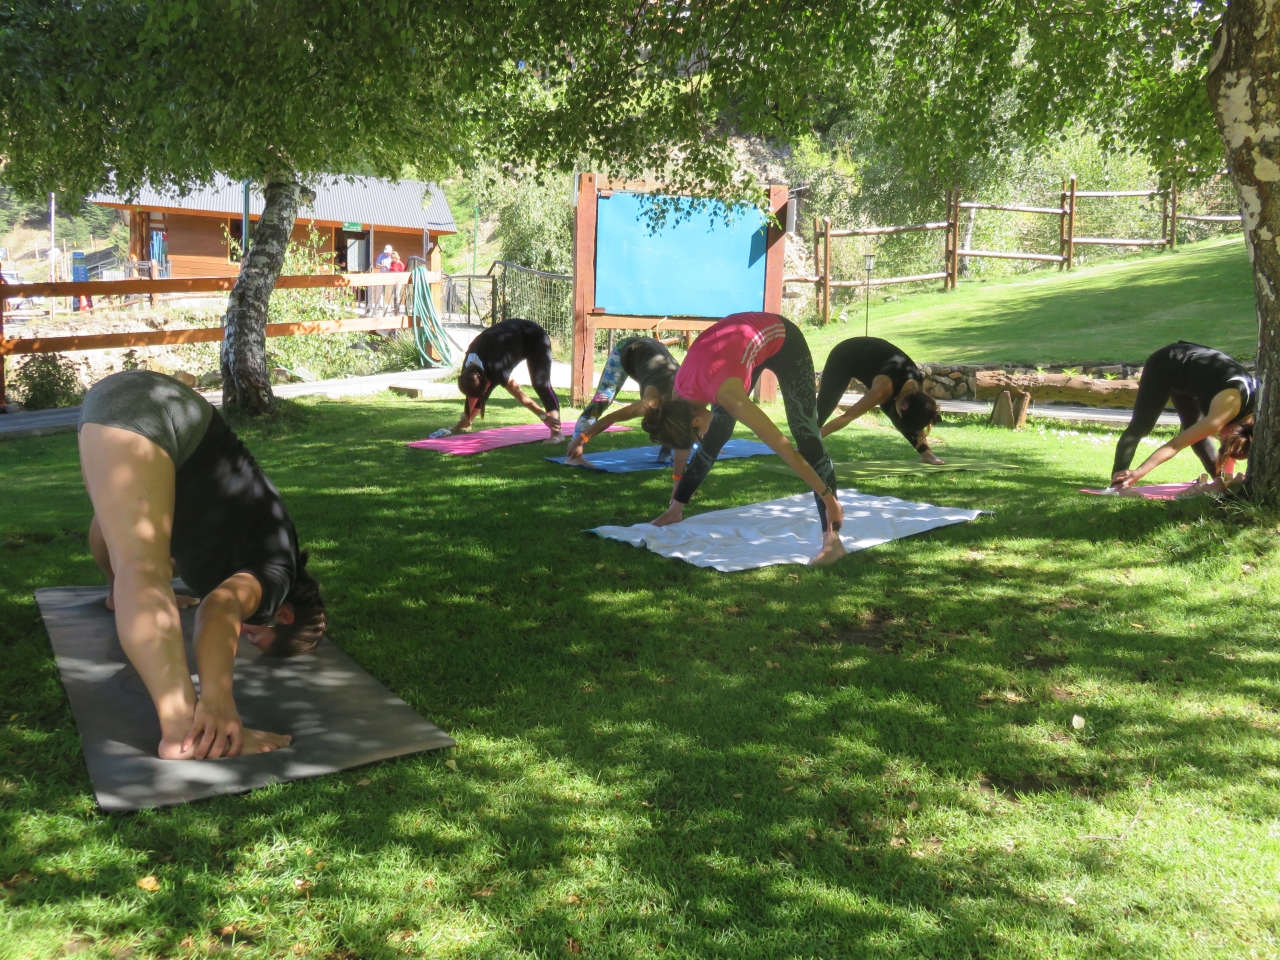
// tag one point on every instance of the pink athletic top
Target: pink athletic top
(731, 347)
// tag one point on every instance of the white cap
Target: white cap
(387, 249)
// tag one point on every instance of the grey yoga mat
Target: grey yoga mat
(337, 714)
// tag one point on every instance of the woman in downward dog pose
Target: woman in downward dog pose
(646, 361)
(490, 359)
(1212, 393)
(711, 395)
(169, 479)
(893, 383)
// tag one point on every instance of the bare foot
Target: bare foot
(556, 438)
(832, 550)
(255, 741)
(259, 741)
(932, 458)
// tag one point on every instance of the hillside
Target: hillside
(1115, 312)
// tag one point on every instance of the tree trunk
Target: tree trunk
(1244, 88)
(245, 379)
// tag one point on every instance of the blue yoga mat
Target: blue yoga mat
(635, 459)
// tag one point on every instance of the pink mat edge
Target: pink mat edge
(457, 445)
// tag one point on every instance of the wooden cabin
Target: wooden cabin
(194, 235)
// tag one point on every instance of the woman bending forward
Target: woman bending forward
(169, 479)
(893, 383)
(711, 396)
(1212, 393)
(491, 358)
(646, 361)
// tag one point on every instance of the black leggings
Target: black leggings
(793, 366)
(1155, 389)
(539, 365)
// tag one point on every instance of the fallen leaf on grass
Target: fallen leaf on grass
(188, 941)
(1077, 721)
(302, 885)
(228, 930)
(484, 892)
(787, 789)
(363, 783)
(1069, 901)
(451, 764)
(1246, 568)
(913, 805)
(1137, 626)
(149, 884)
(811, 833)
(573, 898)
(897, 842)
(737, 796)
(573, 946)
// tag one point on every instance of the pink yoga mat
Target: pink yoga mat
(1150, 491)
(461, 444)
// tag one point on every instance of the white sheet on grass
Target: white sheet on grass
(784, 530)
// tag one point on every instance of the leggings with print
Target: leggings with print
(611, 381)
(793, 366)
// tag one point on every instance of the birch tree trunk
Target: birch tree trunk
(245, 379)
(1244, 88)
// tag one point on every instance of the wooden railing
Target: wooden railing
(13, 346)
(824, 233)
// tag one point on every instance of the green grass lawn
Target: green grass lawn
(633, 777)
(1116, 312)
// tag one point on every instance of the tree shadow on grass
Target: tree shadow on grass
(656, 757)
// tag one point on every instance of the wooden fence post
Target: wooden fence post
(1071, 225)
(817, 265)
(584, 290)
(826, 270)
(1173, 216)
(955, 246)
(946, 243)
(1062, 227)
(774, 268)
(1164, 215)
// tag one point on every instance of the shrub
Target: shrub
(49, 380)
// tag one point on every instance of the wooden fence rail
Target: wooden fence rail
(13, 346)
(824, 233)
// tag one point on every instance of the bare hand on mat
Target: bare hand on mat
(217, 731)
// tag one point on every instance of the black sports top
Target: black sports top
(500, 349)
(866, 358)
(649, 363)
(228, 518)
(1204, 372)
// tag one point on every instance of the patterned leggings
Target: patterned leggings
(611, 381)
(793, 366)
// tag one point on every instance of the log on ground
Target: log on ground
(1062, 387)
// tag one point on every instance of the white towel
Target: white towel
(784, 530)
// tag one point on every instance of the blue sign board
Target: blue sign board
(699, 267)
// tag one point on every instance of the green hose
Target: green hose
(428, 331)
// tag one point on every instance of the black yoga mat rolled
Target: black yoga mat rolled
(338, 715)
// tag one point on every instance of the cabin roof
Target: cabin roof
(402, 205)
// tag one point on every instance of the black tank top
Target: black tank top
(228, 518)
(869, 357)
(650, 364)
(1204, 372)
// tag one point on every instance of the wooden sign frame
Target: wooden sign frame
(588, 318)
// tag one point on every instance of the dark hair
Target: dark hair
(309, 618)
(1235, 441)
(921, 413)
(474, 384)
(671, 424)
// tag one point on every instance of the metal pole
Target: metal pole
(53, 269)
(866, 325)
(244, 224)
